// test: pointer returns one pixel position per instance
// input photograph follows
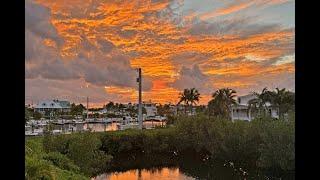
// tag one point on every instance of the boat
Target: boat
(156, 118)
(128, 126)
(38, 131)
(56, 131)
(78, 121)
(29, 133)
(107, 120)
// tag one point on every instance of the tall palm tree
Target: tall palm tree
(221, 103)
(190, 97)
(184, 98)
(284, 100)
(260, 102)
(194, 97)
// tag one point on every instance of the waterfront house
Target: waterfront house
(48, 106)
(241, 110)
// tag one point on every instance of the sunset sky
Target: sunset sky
(80, 48)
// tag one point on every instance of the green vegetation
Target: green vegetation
(29, 114)
(281, 98)
(77, 109)
(81, 148)
(222, 100)
(263, 143)
(42, 165)
(190, 97)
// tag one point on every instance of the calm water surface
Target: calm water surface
(144, 174)
(100, 127)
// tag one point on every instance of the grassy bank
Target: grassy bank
(262, 143)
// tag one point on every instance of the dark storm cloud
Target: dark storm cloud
(37, 21)
(109, 68)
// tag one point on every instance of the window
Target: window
(43, 104)
(239, 100)
(52, 104)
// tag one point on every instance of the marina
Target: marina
(63, 126)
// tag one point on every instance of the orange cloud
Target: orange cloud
(143, 31)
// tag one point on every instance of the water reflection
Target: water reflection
(101, 127)
(144, 174)
(163, 167)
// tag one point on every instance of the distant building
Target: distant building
(48, 106)
(173, 109)
(184, 109)
(151, 108)
(241, 110)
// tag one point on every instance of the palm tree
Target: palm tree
(221, 103)
(194, 97)
(184, 98)
(284, 100)
(190, 97)
(260, 102)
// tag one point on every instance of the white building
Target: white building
(242, 112)
(52, 105)
(187, 110)
(103, 111)
(151, 108)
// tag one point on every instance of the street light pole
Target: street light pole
(140, 97)
(87, 107)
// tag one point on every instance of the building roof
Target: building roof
(243, 100)
(53, 104)
(64, 104)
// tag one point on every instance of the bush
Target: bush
(262, 143)
(39, 165)
(61, 161)
(38, 169)
(57, 143)
(84, 150)
(278, 145)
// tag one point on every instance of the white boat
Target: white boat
(156, 118)
(128, 126)
(38, 131)
(42, 123)
(78, 121)
(107, 120)
(56, 131)
(30, 133)
(27, 127)
(127, 119)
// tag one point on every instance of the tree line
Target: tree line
(223, 99)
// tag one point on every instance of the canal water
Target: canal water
(159, 167)
(193, 172)
(146, 174)
(101, 127)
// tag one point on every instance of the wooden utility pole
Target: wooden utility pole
(87, 107)
(140, 104)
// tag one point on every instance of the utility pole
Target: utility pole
(140, 104)
(87, 107)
